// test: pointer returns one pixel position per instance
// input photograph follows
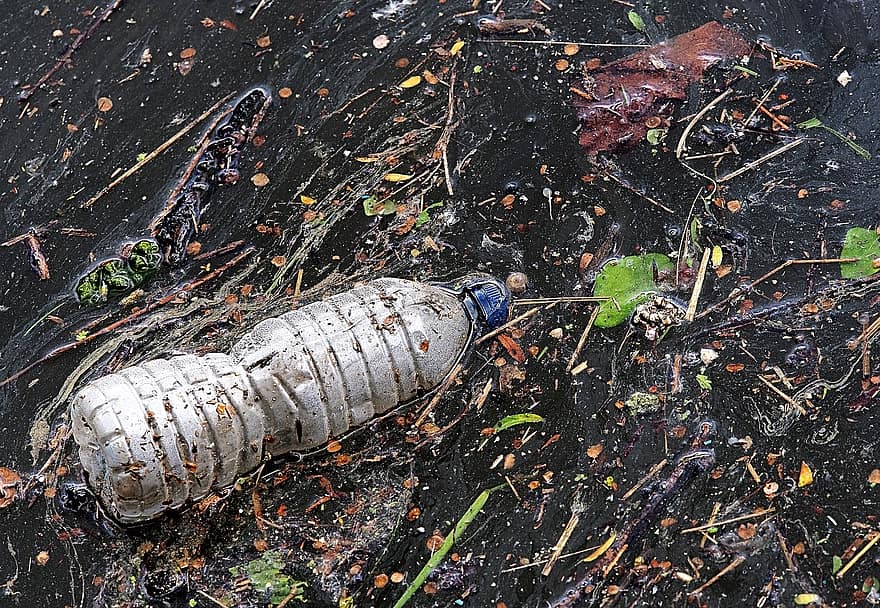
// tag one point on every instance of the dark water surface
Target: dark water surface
(516, 133)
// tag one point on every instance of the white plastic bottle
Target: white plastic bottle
(158, 435)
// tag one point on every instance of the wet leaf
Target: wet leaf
(373, 207)
(412, 81)
(704, 381)
(836, 564)
(424, 217)
(805, 477)
(8, 486)
(655, 136)
(630, 281)
(105, 104)
(601, 549)
(717, 256)
(512, 348)
(306, 200)
(636, 20)
(805, 599)
(396, 177)
(260, 179)
(863, 244)
(438, 556)
(515, 420)
(456, 48)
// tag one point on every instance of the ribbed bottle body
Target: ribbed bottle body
(157, 435)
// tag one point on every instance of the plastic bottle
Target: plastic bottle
(155, 436)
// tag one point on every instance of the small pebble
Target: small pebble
(517, 283)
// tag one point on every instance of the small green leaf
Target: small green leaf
(655, 136)
(863, 244)
(424, 217)
(373, 207)
(81, 335)
(745, 70)
(141, 157)
(630, 281)
(815, 122)
(836, 564)
(636, 21)
(515, 419)
(704, 381)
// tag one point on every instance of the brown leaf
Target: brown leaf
(8, 486)
(105, 104)
(512, 348)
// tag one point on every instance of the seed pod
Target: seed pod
(161, 434)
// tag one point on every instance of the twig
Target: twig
(626, 186)
(137, 166)
(698, 285)
(731, 566)
(583, 339)
(730, 521)
(748, 287)
(785, 552)
(448, 382)
(682, 141)
(139, 313)
(875, 536)
(506, 326)
(563, 538)
(544, 561)
(565, 300)
(562, 42)
(38, 260)
(755, 163)
(763, 100)
(68, 54)
(258, 9)
(450, 114)
(171, 201)
(787, 398)
(211, 598)
(654, 470)
(219, 251)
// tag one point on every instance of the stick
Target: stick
(755, 163)
(137, 166)
(583, 339)
(509, 324)
(450, 113)
(68, 54)
(784, 396)
(654, 470)
(450, 380)
(38, 260)
(561, 42)
(746, 288)
(171, 202)
(139, 313)
(679, 148)
(626, 186)
(254, 14)
(763, 100)
(731, 566)
(564, 300)
(211, 598)
(730, 521)
(875, 536)
(698, 286)
(560, 544)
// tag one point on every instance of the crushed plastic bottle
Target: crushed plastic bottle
(158, 435)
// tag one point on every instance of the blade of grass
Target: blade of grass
(815, 122)
(438, 557)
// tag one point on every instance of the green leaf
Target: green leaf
(438, 557)
(630, 281)
(704, 381)
(515, 419)
(815, 122)
(636, 21)
(424, 217)
(863, 244)
(836, 564)
(655, 136)
(373, 207)
(745, 70)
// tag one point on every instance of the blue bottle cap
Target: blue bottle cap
(487, 300)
